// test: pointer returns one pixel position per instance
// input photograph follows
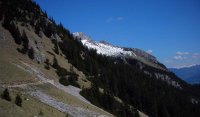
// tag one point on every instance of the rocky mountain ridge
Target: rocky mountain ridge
(107, 49)
(190, 74)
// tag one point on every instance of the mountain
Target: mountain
(107, 49)
(45, 70)
(127, 55)
(190, 74)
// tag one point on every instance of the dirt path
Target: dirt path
(31, 89)
(63, 107)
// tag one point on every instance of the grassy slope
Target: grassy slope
(9, 74)
(69, 99)
(30, 107)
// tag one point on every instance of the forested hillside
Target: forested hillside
(117, 86)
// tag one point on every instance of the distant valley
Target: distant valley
(189, 74)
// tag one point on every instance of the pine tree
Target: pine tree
(55, 63)
(47, 64)
(18, 100)
(25, 40)
(16, 34)
(56, 48)
(6, 95)
(64, 81)
(31, 53)
(13, 29)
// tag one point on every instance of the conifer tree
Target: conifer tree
(6, 95)
(18, 100)
(31, 53)
(25, 41)
(55, 63)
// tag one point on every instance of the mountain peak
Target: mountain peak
(186, 66)
(107, 49)
(81, 36)
(104, 42)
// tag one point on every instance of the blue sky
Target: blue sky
(168, 29)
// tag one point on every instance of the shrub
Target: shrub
(63, 81)
(31, 53)
(47, 64)
(72, 80)
(41, 113)
(6, 95)
(18, 100)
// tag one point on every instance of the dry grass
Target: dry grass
(30, 107)
(69, 99)
(10, 73)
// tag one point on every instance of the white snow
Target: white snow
(101, 48)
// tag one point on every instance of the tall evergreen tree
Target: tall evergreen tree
(25, 40)
(31, 53)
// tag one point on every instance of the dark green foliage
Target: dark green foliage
(49, 30)
(66, 77)
(18, 100)
(107, 101)
(41, 113)
(72, 80)
(6, 95)
(153, 96)
(31, 53)
(69, 79)
(13, 30)
(47, 64)
(55, 63)
(61, 72)
(129, 83)
(37, 28)
(64, 81)
(56, 48)
(25, 43)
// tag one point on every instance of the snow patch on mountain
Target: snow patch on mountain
(102, 47)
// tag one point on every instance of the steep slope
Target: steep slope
(27, 66)
(49, 60)
(107, 49)
(189, 74)
(127, 55)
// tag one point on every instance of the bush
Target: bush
(72, 80)
(56, 48)
(47, 66)
(25, 42)
(13, 29)
(55, 63)
(31, 53)
(64, 81)
(41, 113)
(6, 95)
(18, 100)
(62, 72)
